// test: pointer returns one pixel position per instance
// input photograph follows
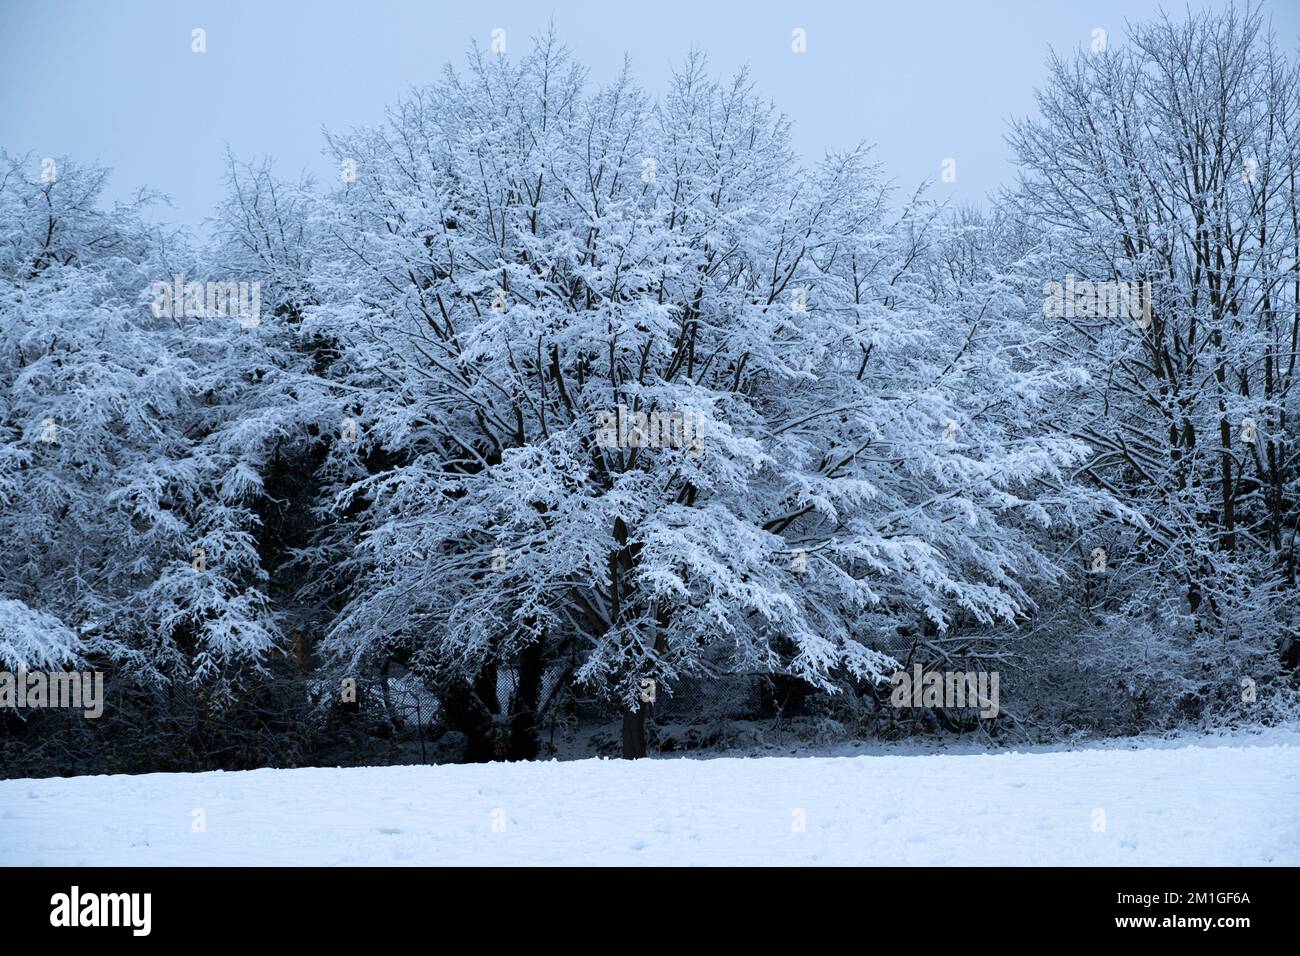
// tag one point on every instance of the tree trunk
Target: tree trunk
(634, 731)
(466, 712)
(524, 742)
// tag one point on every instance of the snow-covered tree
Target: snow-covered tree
(122, 534)
(1169, 164)
(529, 282)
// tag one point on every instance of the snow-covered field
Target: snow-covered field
(1191, 802)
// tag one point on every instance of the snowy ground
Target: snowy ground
(1210, 802)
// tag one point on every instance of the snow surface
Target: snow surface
(1167, 805)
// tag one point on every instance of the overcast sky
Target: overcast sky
(925, 80)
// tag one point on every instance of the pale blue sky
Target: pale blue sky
(118, 83)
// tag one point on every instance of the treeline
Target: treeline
(563, 405)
